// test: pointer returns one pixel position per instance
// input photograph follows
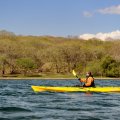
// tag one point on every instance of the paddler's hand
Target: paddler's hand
(79, 79)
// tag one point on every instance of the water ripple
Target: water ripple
(14, 109)
(19, 102)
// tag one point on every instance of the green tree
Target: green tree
(26, 64)
(3, 63)
(94, 67)
(110, 67)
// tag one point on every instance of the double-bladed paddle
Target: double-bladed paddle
(74, 73)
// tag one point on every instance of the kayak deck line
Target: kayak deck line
(75, 89)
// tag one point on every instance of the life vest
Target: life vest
(92, 83)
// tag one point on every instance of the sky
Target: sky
(60, 17)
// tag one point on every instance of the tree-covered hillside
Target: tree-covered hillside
(37, 55)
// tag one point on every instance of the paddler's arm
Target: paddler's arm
(89, 80)
(82, 79)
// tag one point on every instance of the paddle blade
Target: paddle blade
(74, 73)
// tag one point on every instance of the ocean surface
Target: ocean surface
(19, 102)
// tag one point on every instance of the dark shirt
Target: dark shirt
(92, 84)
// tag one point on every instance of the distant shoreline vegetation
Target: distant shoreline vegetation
(39, 56)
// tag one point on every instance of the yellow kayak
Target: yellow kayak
(74, 89)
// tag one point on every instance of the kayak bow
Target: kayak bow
(74, 89)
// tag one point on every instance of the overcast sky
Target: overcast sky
(60, 17)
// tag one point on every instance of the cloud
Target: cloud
(103, 36)
(87, 14)
(110, 10)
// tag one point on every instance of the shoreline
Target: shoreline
(40, 78)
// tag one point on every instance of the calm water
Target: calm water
(19, 102)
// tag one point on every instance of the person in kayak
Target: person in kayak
(88, 81)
